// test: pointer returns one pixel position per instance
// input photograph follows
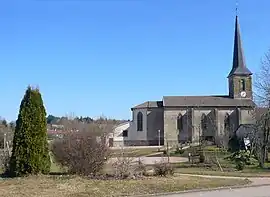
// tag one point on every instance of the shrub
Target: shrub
(240, 165)
(163, 169)
(241, 159)
(141, 168)
(179, 151)
(123, 167)
(30, 154)
(83, 153)
(201, 157)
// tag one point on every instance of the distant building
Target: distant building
(55, 131)
(119, 135)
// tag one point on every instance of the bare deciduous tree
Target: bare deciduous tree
(123, 166)
(259, 138)
(80, 152)
(262, 82)
(262, 96)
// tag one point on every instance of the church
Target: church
(181, 119)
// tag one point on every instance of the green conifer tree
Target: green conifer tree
(30, 153)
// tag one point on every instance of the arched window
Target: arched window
(180, 122)
(227, 122)
(242, 85)
(204, 121)
(140, 121)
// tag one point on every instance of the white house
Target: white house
(119, 135)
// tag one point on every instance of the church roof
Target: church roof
(149, 104)
(239, 64)
(197, 101)
(205, 101)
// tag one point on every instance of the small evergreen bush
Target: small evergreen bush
(241, 159)
(30, 153)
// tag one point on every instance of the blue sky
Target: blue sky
(103, 57)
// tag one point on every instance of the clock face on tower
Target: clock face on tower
(243, 94)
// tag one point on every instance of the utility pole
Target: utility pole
(187, 122)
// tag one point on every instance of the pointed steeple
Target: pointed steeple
(239, 65)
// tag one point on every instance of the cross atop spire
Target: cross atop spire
(236, 8)
(239, 65)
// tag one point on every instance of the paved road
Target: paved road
(254, 191)
(260, 191)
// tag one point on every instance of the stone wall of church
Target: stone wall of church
(171, 132)
(197, 124)
(234, 120)
(212, 127)
(222, 113)
(185, 132)
(223, 131)
(236, 117)
(247, 116)
(216, 123)
(234, 86)
(137, 137)
(193, 127)
(155, 122)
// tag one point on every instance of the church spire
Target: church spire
(239, 65)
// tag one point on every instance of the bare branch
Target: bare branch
(262, 82)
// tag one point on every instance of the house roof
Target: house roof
(121, 124)
(148, 104)
(206, 101)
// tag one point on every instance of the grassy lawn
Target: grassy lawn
(194, 149)
(73, 186)
(78, 187)
(212, 155)
(134, 152)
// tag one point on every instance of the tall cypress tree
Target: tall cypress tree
(30, 153)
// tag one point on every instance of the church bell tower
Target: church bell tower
(240, 77)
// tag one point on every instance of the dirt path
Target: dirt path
(153, 160)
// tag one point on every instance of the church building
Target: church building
(180, 119)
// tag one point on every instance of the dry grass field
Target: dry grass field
(72, 186)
